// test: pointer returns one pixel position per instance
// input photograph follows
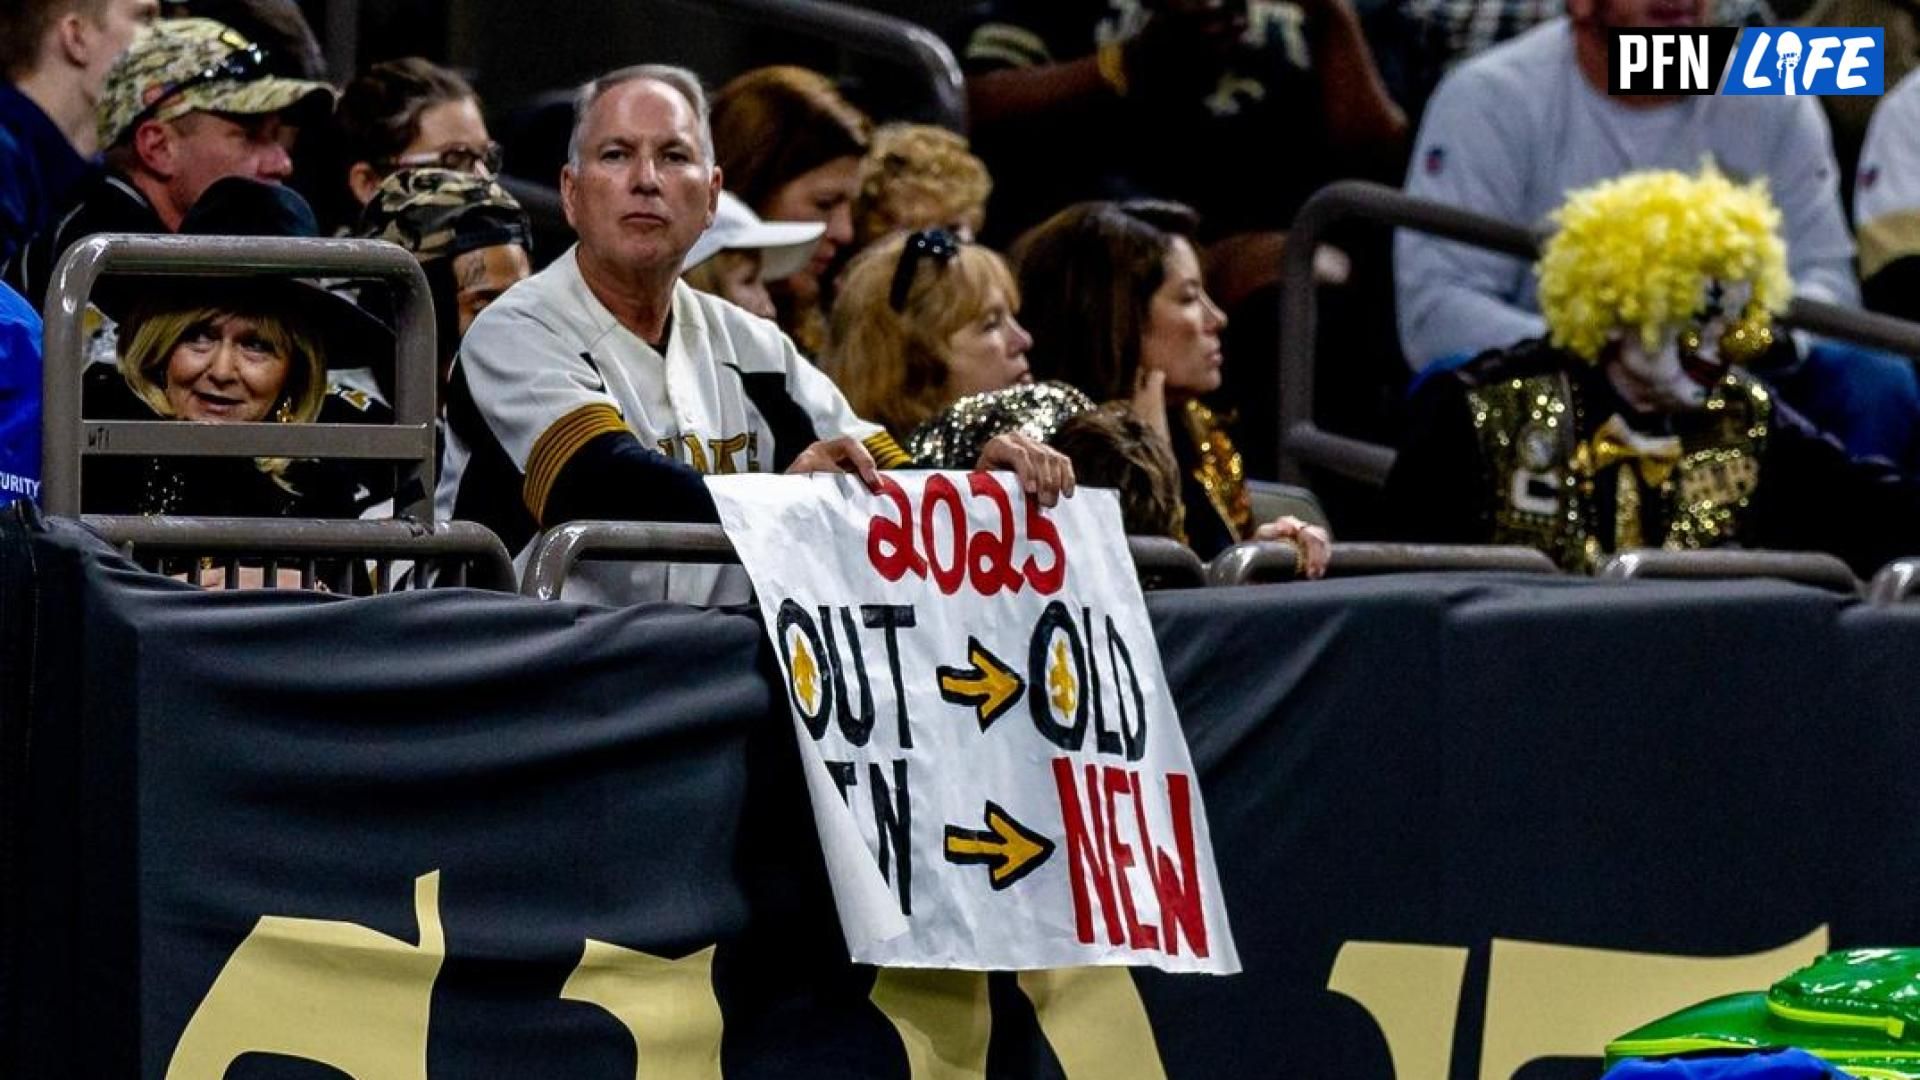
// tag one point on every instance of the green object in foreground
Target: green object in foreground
(1859, 1010)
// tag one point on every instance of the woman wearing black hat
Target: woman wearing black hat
(254, 354)
(226, 350)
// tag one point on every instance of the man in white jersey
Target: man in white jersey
(1512, 131)
(1886, 203)
(603, 387)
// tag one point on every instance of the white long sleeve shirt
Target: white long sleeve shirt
(1511, 132)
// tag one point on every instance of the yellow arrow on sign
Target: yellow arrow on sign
(989, 686)
(1008, 849)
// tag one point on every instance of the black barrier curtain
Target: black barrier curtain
(1457, 819)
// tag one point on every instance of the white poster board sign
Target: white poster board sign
(997, 772)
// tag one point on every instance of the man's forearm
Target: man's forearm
(1012, 95)
(614, 478)
(1361, 115)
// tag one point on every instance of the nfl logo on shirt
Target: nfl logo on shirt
(1753, 61)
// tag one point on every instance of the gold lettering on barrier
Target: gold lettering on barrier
(1413, 994)
(1095, 1021)
(1562, 1001)
(335, 993)
(943, 1019)
(667, 1006)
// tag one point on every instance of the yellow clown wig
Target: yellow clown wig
(1638, 252)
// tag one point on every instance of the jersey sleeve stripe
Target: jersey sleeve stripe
(1015, 46)
(557, 445)
(1888, 237)
(886, 453)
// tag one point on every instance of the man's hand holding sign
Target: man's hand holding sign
(994, 762)
(1042, 471)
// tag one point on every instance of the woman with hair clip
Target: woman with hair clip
(924, 320)
(925, 340)
(1115, 297)
(790, 146)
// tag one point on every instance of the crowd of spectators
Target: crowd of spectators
(778, 281)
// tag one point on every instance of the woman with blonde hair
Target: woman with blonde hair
(918, 176)
(925, 341)
(924, 320)
(790, 146)
(251, 352)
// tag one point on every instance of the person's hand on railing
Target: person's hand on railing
(843, 454)
(1314, 543)
(1045, 474)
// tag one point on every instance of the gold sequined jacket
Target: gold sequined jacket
(1532, 446)
(1213, 480)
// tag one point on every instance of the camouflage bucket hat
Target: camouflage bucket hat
(440, 213)
(178, 66)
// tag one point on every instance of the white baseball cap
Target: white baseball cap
(784, 246)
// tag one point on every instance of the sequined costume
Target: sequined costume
(1213, 482)
(1533, 446)
(954, 438)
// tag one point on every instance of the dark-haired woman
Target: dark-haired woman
(790, 146)
(1114, 297)
(410, 113)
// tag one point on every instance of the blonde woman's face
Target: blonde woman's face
(225, 371)
(990, 353)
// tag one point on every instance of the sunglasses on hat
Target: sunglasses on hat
(246, 63)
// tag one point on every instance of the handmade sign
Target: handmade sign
(996, 769)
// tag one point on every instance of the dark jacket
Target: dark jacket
(108, 203)
(40, 171)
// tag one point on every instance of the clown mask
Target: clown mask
(1692, 358)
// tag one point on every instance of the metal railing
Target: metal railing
(1270, 500)
(557, 550)
(1160, 562)
(1164, 563)
(1303, 442)
(863, 32)
(1896, 583)
(1259, 561)
(68, 436)
(1804, 567)
(462, 553)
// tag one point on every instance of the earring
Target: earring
(283, 412)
